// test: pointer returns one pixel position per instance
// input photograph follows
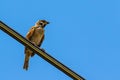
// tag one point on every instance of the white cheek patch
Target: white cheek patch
(39, 28)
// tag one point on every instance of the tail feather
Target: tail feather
(26, 62)
(28, 53)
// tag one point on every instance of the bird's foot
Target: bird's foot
(42, 49)
(34, 43)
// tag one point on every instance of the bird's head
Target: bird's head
(42, 23)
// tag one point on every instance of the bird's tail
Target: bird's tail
(26, 62)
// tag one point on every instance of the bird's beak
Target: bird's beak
(47, 22)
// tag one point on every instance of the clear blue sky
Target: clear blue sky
(82, 34)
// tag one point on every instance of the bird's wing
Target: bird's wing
(29, 36)
(30, 33)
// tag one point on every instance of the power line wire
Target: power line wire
(39, 52)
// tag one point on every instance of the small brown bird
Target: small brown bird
(36, 36)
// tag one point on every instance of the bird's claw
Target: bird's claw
(42, 49)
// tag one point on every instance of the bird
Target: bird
(36, 36)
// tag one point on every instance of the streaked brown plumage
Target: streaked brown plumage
(36, 36)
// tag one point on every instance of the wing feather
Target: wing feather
(30, 33)
(29, 36)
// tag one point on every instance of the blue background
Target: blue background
(82, 34)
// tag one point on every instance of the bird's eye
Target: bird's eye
(41, 23)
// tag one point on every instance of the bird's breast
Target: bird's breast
(37, 36)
